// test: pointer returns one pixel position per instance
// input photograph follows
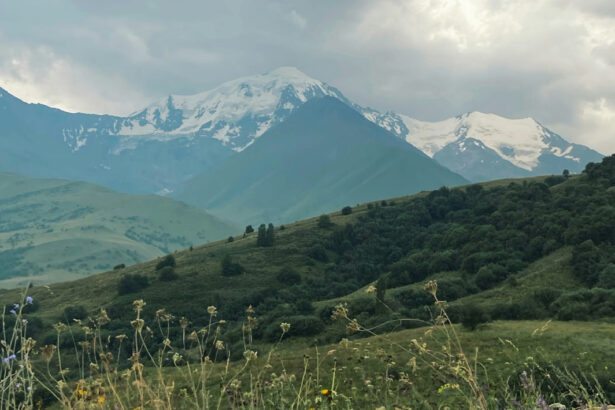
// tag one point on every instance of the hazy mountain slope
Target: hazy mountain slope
(54, 230)
(324, 156)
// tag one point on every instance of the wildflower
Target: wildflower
(250, 309)
(101, 399)
(219, 345)
(212, 310)
(137, 324)
(525, 380)
(432, 287)
(285, 327)
(12, 357)
(541, 403)
(250, 355)
(353, 326)
(340, 312)
(6, 360)
(325, 392)
(370, 289)
(138, 305)
(16, 306)
(29, 300)
(12, 312)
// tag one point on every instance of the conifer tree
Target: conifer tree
(261, 239)
(270, 235)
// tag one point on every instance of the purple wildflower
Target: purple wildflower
(16, 306)
(12, 312)
(29, 300)
(541, 403)
(12, 357)
(6, 360)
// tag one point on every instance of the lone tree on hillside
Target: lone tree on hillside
(381, 288)
(324, 222)
(270, 234)
(249, 229)
(261, 239)
(265, 235)
(168, 260)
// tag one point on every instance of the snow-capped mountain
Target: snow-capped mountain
(235, 113)
(483, 146)
(161, 147)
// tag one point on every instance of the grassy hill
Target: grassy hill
(496, 250)
(56, 230)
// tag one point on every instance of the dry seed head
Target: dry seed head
(138, 305)
(219, 345)
(47, 352)
(353, 326)
(59, 327)
(137, 324)
(432, 287)
(183, 323)
(250, 355)
(370, 289)
(103, 318)
(340, 312)
(212, 310)
(285, 327)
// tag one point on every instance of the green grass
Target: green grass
(56, 230)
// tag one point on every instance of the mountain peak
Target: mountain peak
(287, 71)
(236, 112)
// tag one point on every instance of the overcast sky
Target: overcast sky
(553, 60)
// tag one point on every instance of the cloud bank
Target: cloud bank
(553, 60)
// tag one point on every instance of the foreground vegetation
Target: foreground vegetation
(496, 250)
(502, 365)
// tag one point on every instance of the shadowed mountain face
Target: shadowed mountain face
(53, 230)
(324, 156)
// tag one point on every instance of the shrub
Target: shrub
(230, 268)
(346, 210)
(167, 274)
(168, 260)
(230, 239)
(120, 266)
(472, 316)
(249, 229)
(606, 279)
(75, 312)
(324, 222)
(318, 253)
(289, 277)
(132, 284)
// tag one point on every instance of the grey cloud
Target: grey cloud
(550, 59)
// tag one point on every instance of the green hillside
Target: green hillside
(324, 156)
(56, 230)
(527, 264)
